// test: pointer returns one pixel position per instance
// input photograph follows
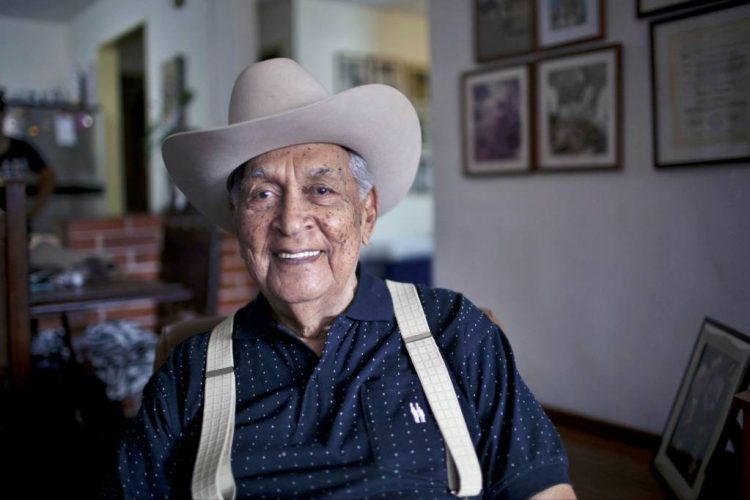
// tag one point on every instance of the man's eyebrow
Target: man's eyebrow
(261, 172)
(256, 172)
(319, 171)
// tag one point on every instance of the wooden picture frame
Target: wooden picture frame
(699, 75)
(565, 23)
(717, 369)
(503, 28)
(645, 8)
(496, 114)
(579, 110)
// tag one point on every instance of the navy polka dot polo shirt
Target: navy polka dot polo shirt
(353, 423)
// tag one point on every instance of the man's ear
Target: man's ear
(369, 215)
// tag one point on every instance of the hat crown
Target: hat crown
(272, 87)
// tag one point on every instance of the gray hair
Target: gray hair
(357, 166)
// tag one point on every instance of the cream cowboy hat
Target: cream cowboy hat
(275, 104)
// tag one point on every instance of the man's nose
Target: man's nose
(294, 215)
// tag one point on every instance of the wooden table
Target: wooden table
(98, 294)
(73, 301)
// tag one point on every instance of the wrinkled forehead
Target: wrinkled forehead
(317, 159)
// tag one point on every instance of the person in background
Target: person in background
(19, 158)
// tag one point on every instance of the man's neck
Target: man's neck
(310, 321)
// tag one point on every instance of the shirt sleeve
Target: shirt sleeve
(34, 160)
(520, 451)
(157, 453)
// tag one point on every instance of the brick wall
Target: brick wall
(134, 242)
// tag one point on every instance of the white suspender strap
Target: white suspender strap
(464, 473)
(212, 475)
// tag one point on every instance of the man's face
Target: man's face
(300, 223)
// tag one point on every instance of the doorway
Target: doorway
(133, 135)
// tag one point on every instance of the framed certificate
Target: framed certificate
(700, 70)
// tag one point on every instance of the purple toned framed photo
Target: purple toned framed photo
(495, 116)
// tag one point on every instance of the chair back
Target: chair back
(15, 331)
(191, 253)
(175, 333)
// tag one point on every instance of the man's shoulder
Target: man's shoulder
(453, 317)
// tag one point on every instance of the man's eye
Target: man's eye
(263, 195)
(322, 190)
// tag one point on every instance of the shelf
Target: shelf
(55, 106)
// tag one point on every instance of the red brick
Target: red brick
(149, 255)
(87, 244)
(236, 293)
(130, 313)
(142, 220)
(127, 241)
(85, 224)
(232, 262)
(142, 275)
(229, 307)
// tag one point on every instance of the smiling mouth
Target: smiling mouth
(297, 256)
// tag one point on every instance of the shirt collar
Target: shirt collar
(372, 302)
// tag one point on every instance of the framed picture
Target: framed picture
(578, 110)
(573, 21)
(496, 114)
(503, 28)
(173, 92)
(653, 7)
(716, 371)
(700, 67)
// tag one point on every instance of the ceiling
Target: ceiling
(43, 10)
(65, 10)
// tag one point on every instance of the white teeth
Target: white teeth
(299, 255)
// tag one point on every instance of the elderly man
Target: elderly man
(324, 399)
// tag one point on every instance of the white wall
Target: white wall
(50, 64)
(324, 28)
(217, 37)
(601, 279)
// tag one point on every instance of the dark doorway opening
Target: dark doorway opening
(134, 138)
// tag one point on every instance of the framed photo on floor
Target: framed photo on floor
(700, 69)
(503, 28)
(579, 111)
(718, 368)
(573, 21)
(495, 117)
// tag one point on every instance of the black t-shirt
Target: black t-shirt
(20, 160)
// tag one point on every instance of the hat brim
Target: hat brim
(376, 121)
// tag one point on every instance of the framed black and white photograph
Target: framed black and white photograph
(503, 28)
(700, 65)
(496, 115)
(570, 21)
(717, 369)
(579, 111)
(655, 7)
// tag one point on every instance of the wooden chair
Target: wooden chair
(173, 334)
(191, 256)
(15, 330)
